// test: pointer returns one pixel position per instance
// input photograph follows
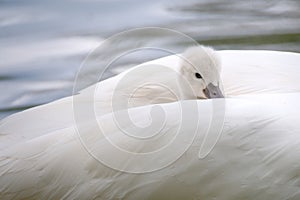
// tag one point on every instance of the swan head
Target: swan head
(201, 67)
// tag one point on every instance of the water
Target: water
(43, 43)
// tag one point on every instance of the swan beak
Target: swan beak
(212, 91)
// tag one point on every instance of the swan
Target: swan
(257, 155)
(243, 73)
(196, 75)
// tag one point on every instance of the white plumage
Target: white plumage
(256, 157)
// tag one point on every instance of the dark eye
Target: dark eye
(198, 75)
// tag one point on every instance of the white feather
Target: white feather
(256, 157)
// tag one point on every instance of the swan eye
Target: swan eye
(198, 75)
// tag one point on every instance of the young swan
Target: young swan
(200, 67)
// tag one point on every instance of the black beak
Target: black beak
(212, 91)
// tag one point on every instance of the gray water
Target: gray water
(43, 42)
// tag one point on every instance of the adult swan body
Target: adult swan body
(256, 157)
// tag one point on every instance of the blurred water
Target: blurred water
(44, 42)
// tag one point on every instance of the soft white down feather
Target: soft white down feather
(256, 157)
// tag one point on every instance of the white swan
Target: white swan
(244, 72)
(195, 74)
(257, 155)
